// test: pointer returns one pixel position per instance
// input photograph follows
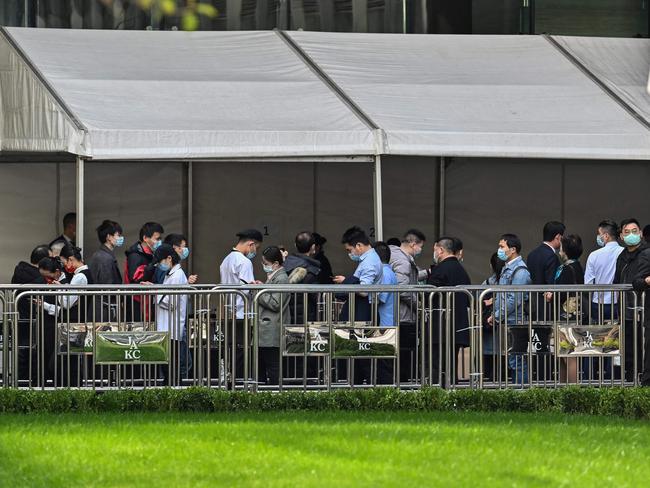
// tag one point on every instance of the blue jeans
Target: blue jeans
(519, 364)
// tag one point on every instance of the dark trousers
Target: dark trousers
(363, 371)
(268, 365)
(645, 377)
(408, 343)
(629, 349)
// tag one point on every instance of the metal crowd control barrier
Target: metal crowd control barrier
(320, 337)
(344, 336)
(450, 329)
(551, 336)
(92, 337)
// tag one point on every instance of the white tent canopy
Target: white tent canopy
(152, 95)
(513, 96)
(621, 64)
(175, 95)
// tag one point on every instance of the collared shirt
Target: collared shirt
(237, 269)
(370, 268)
(386, 307)
(600, 270)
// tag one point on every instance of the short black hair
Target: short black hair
(609, 227)
(70, 251)
(551, 229)
(382, 249)
(628, 222)
(175, 239)
(413, 235)
(572, 246)
(304, 240)
(166, 250)
(107, 228)
(646, 232)
(393, 241)
(50, 264)
(447, 243)
(512, 241)
(457, 245)
(150, 228)
(250, 235)
(273, 254)
(39, 252)
(355, 235)
(69, 218)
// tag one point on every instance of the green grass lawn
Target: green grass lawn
(322, 449)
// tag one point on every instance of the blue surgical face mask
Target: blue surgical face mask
(185, 252)
(157, 244)
(502, 254)
(251, 255)
(354, 257)
(268, 268)
(600, 241)
(632, 239)
(163, 267)
(119, 241)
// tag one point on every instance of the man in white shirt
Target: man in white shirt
(600, 270)
(237, 269)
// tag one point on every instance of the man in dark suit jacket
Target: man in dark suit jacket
(542, 264)
(448, 271)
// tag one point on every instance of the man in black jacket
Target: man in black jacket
(627, 269)
(642, 284)
(542, 264)
(139, 268)
(104, 269)
(28, 274)
(303, 269)
(450, 272)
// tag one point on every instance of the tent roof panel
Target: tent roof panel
(205, 94)
(622, 64)
(476, 95)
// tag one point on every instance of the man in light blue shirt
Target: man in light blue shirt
(386, 307)
(370, 269)
(369, 272)
(600, 270)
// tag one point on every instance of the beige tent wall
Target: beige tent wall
(488, 197)
(284, 198)
(132, 194)
(35, 196)
(28, 196)
(228, 197)
(411, 199)
(604, 190)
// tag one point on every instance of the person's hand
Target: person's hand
(55, 282)
(488, 302)
(490, 320)
(548, 296)
(148, 283)
(192, 279)
(647, 280)
(257, 282)
(338, 279)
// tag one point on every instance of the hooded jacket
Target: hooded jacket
(303, 270)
